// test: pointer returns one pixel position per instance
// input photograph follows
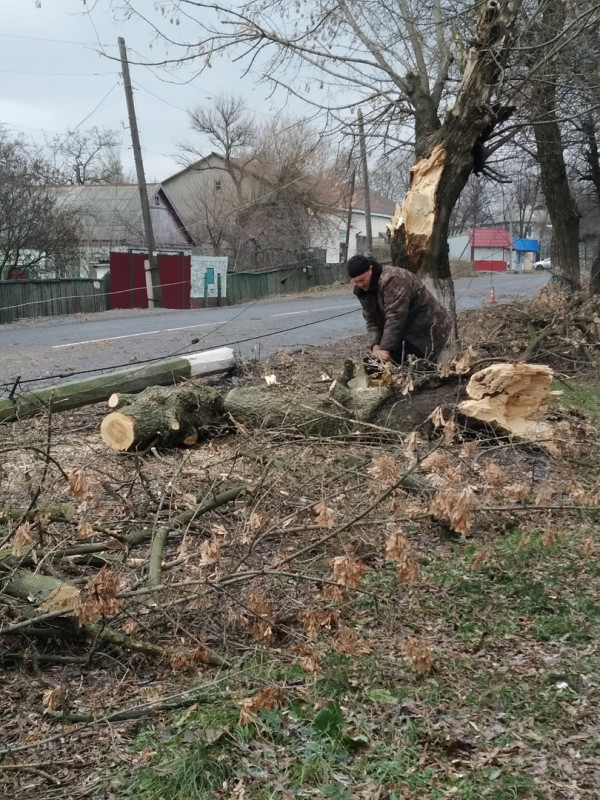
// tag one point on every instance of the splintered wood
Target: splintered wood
(415, 217)
(511, 397)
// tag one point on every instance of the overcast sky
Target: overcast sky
(60, 70)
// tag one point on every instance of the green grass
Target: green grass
(514, 672)
(583, 398)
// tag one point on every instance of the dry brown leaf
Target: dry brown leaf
(97, 598)
(130, 627)
(84, 529)
(22, 538)
(545, 493)
(65, 596)
(219, 529)
(493, 475)
(408, 570)
(411, 448)
(444, 370)
(468, 449)
(549, 538)
(348, 642)
(464, 362)
(78, 485)
(258, 520)
(405, 384)
(385, 471)
(436, 461)
(418, 654)
(315, 620)
(262, 631)
(589, 547)
(335, 593)
(210, 550)
(310, 657)
(396, 546)
(456, 506)
(348, 571)
(437, 417)
(449, 432)
(259, 604)
(517, 491)
(52, 700)
(481, 557)
(270, 697)
(324, 516)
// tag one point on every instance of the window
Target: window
(157, 200)
(217, 185)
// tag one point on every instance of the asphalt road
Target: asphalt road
(44, 351)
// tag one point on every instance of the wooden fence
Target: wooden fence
(246, 286)
(48, 298)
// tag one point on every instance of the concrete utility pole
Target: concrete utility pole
(153, 285)
(365, 172)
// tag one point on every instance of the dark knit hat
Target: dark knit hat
(357, 265)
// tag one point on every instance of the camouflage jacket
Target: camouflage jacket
(402, 314)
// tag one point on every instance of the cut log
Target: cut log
(180, 415)
(512, 398)
(75, 394)
(162, 415)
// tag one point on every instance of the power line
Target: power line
(174, 354)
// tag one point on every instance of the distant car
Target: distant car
(543, 264)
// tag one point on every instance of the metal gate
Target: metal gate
(127, 288)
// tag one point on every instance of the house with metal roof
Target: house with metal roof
(110, 220)
(490, 249)
(208, 191)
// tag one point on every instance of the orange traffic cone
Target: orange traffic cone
(492, 296)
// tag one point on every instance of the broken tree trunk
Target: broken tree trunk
(512, 398)
(449, 150)
(95, 390)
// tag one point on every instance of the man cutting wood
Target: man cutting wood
(403, 317)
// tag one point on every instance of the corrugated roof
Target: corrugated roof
(379, 203)
(490, 237)
(527, 245)
(325, 191)
(111, 214)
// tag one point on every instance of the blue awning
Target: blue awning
(527, 245)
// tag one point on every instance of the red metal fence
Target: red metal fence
(128, 280)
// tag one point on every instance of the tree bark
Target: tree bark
(561, 205)
(419, 229)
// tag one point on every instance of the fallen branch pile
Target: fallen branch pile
(184, 561)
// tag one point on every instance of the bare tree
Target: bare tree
(32, 231)
(229, 129)
(278, 186)
(451, 72)
(84, 157)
